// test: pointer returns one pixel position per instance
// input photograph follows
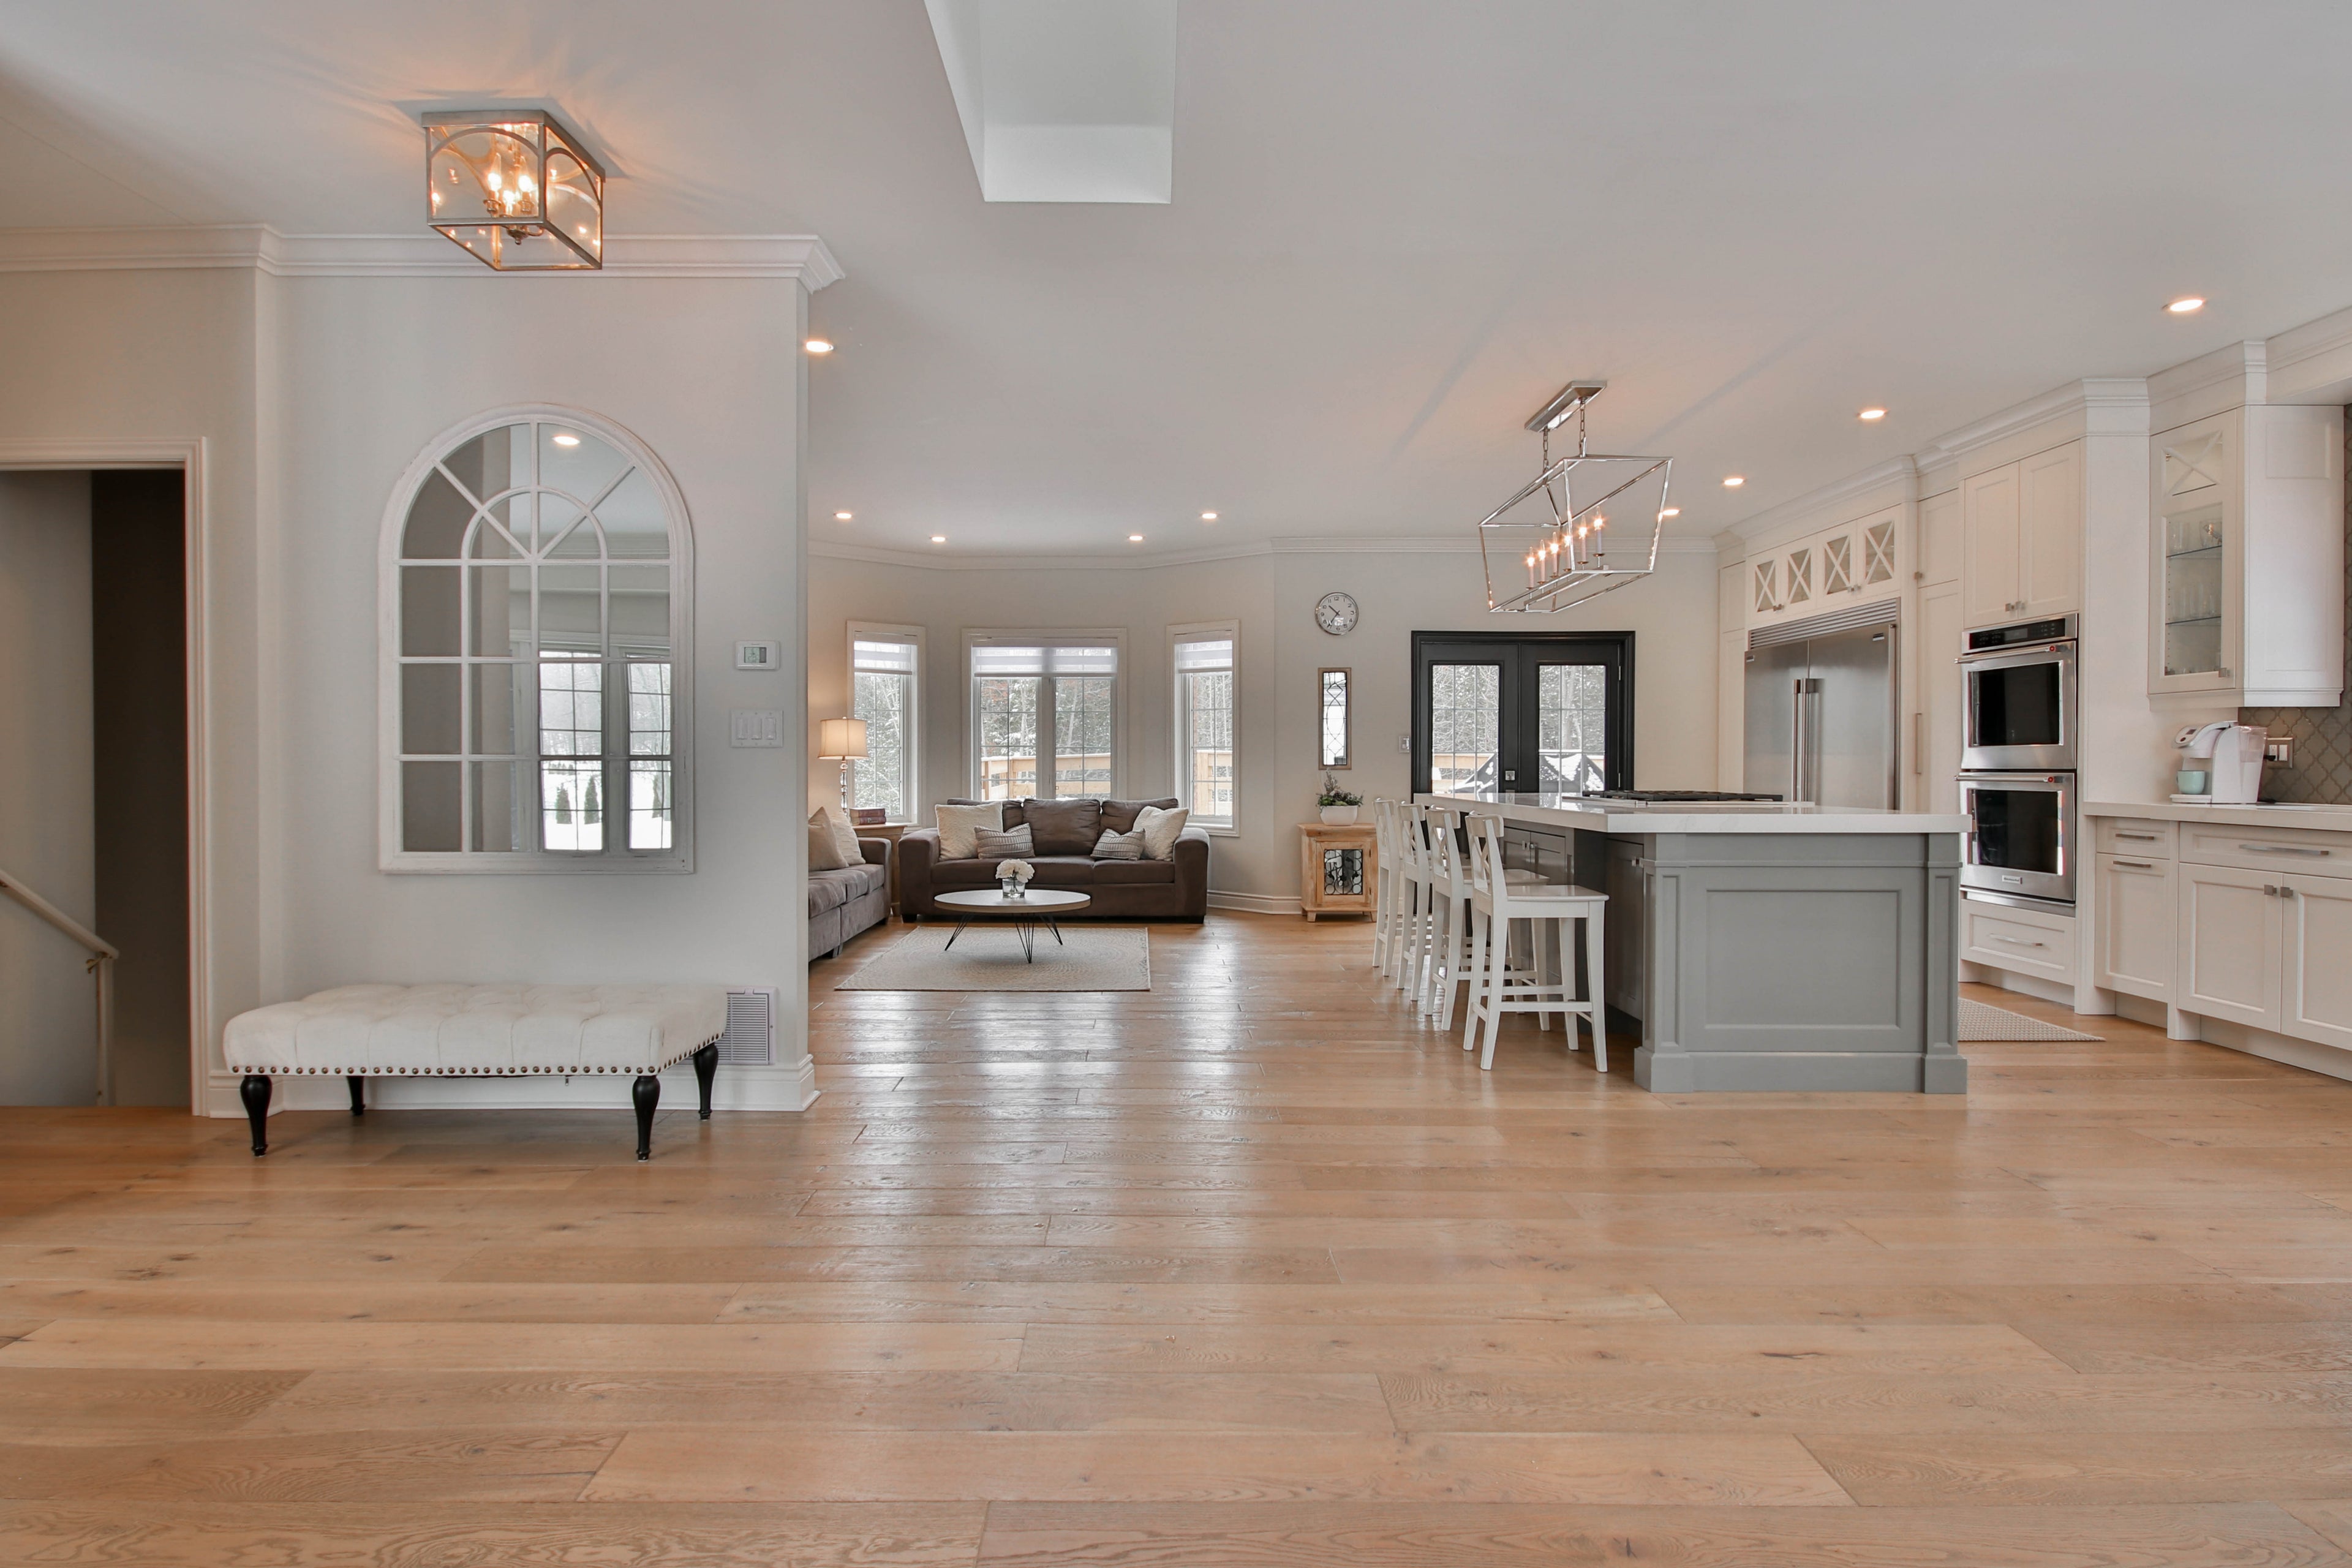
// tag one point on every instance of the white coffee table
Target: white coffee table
(1025, 913)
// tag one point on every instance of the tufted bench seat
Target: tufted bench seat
(359, 1032)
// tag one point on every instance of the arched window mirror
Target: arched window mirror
(537, 628)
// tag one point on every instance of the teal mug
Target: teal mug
(2191, 781)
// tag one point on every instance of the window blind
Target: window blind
(868, 658)
(1202, 658)
(1009, 658)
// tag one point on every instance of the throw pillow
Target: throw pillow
(1160, 829)
(1119, 816)
(844, 836)
(1064, 826)
(825, 855)
(960, 824)
(1119, 847)
(1012, 843)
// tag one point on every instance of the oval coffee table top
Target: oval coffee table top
(991, 900)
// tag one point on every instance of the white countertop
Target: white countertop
(1632, 817)
(2334, 818)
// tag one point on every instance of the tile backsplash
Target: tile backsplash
(2322, 773)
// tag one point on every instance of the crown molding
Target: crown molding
(1339, 544)
(258, 247)
(1899, 473)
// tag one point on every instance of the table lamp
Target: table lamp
(844, 740)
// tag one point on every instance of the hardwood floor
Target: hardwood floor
(1252, 1268)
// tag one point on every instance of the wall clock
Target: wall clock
(1335, 614)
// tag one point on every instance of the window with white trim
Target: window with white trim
(1207, 737)
(885, 677)
(1044, 713)
(534, 690)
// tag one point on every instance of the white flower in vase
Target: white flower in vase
(1012, 877)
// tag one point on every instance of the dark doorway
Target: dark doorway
(1544, 712)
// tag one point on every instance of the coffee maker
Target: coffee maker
(2231, 757)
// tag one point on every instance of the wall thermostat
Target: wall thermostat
(759, 656)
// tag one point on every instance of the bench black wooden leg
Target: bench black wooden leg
(359, 1096)
(254, 1092)
(647, 1095)
(706, 1068)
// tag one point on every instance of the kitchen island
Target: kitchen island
(1762, 946)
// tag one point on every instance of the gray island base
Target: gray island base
(1764, 946)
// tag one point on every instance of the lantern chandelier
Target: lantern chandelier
(1595, 528)
(516, 189)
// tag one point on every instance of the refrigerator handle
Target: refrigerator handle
(1805, 770)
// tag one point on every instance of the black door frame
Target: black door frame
(1617, 768)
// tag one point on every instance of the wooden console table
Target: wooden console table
(1338, 869)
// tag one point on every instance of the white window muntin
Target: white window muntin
(1197, 653)
(889, 653)
(1046, 655)
(624, 550)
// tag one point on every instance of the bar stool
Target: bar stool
(1496, 988)
(1408, 933)
(1449, 898)
(1385, 886)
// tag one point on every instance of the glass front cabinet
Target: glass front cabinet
(2192, 644)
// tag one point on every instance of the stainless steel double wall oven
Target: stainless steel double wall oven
(2021, 712)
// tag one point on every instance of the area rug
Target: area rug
(1980, 1021)
(987, 957)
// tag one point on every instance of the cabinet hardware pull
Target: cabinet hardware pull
(2283, 850)
(2269, 892)
(2014, 943)
(2137, 865)
(2286, 892)
(2144, 837)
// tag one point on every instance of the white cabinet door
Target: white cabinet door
(2139, 933)
(1991, 547)
(2049, 531)
(2316, 991)
(1939, 538)
(1937, 748)
(2229, 944)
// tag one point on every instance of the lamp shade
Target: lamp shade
(841, 738)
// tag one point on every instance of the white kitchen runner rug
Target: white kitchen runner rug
(988, 957)
(1980, 1021)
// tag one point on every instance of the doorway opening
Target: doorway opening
(1527, 714)
(94, 783)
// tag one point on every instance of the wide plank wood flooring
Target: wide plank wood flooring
(1254, 1268)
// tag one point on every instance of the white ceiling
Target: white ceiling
(1397, 226)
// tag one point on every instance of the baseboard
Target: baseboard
(2032, 986)
(2294, 1053)
(1254, 904)
(791, 1087)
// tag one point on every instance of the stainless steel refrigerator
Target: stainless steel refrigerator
(1820, 714)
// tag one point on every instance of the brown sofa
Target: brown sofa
(844, 902)
(1066, 831)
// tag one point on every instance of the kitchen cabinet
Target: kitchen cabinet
(2017, 939)
(2315, 980)
(2138, 926)
(1853, 562)
(2022, 538)
(2229, 962)
(1939, 538)
(1936, 747)
(2246, 569)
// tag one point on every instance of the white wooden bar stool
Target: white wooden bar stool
(1384, 887)
(1548, 908)
(1407, 937)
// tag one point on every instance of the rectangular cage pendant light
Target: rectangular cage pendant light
(1590, 522)
(516, 189)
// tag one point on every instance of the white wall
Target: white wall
(1671, 613)
(48, 1016)
(311, 394)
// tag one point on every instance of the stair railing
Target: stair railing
(101, 964)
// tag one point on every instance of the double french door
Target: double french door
(1543, 715)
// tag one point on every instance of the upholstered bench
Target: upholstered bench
(359, 1032)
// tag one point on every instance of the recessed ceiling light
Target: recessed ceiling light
(2188, 304)
(818, 346)
(1672, 512)
(567, 440)
(1208, 517)
(841, 517)
(1135, 539)
(939, 539)
(1872, 414)
(1733, 481)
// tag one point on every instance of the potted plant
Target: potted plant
(1339, 806)
(1012, 877)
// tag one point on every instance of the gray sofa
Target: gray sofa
(855, 898)
(1064, 832)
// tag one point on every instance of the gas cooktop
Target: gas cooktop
(1673, 796)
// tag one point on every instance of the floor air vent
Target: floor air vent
(750, 1037)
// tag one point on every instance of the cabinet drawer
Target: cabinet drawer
(2135, 835)
(2286, 850)
(2021, 940)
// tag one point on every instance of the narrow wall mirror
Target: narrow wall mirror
(1335, 731)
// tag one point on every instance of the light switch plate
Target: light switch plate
(759, 656)
(1404, 741)
(755, 727)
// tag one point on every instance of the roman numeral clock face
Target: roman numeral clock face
(1335, 614)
